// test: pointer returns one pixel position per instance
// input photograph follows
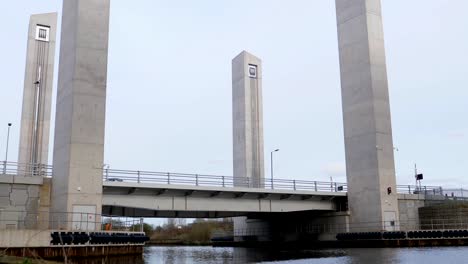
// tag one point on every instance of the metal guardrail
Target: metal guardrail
(25, 169)
(114, 175)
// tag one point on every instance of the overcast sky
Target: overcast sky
(169, 84)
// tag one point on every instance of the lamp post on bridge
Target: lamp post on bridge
(8, 139)
(271, 162)
(6, 151)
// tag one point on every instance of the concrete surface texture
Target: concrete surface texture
(37, 93)
(19, 201)
(408, 206)
(369, 149)
(247, 120)
(81, 105)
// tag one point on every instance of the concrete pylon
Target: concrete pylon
(37, 93)
(247, 117)
(370, 168)
(80, 117)
(247, 120)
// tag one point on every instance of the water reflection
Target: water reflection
(210, 255)
(135, 259)
(371, 255)
(189, 255)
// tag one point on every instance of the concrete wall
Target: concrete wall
(19, 201)
(247, 120)
(81, 104)
(24, 238)
(37, 97)
(369, 150)
(45, 192)
(408, 206)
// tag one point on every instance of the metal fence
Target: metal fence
(11, 219)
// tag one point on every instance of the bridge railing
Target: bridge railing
(414, 189)
(25, 169)
(112, 175)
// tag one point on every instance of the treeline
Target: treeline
(197, 233)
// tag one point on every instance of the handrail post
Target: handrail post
(81, 220)
(107, 174)
(315, 185)
(223, 181)
(4, 167)
(138, 179)
(168, 178)
(409, 189)
(196, 179)
(272, 187)
(294, 184)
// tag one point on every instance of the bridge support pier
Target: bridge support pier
(370, 167)
(80, 118)
(247, 116)
(247, 121)
(37, 93)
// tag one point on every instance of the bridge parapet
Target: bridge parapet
(189, 179)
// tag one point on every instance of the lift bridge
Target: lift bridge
(135, 193)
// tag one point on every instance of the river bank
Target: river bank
(198, 233)
(18, 260)
(178, 242)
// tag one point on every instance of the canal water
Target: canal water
(210, 255)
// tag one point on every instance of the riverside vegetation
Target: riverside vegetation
(197, 233)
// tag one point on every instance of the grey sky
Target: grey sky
(169, 84)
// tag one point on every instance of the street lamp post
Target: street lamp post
(271, 163)
(6, 151)
(8, 139)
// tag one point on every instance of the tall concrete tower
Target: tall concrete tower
(37, 93)
(247, 120)
(370, 164)
(80, 117)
